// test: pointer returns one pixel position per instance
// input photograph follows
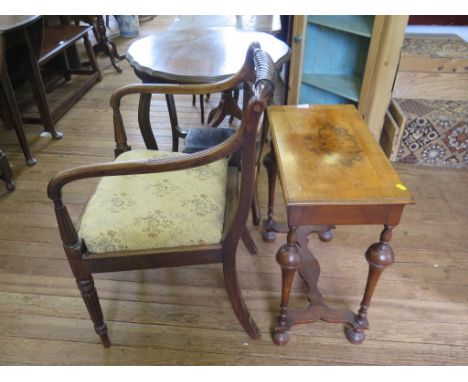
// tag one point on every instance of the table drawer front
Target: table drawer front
(336, 215)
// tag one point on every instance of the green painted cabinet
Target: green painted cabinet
(345, 59)
(334, 58)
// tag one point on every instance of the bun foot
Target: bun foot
(31, 161)
(326, 235)
(281, 338)
(356, 337)
(57, 135)
(268, 236)
(10, 186)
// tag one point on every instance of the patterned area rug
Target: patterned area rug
(436, 133)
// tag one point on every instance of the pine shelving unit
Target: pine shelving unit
(346, 59)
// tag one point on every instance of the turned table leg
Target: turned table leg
(177, 132)
(379, 256)
(37, 86)
(145, 123)
(289, 257)
(11, 112)
(269, 161)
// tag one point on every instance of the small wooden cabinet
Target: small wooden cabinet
(346, 59)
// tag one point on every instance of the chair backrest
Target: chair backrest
(258, 93)
(246, 73)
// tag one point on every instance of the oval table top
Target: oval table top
(10, 23)
(199, 55)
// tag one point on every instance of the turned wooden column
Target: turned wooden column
(289, 257)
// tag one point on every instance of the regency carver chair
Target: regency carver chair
(164, 209)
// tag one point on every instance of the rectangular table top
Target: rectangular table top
(327, 156)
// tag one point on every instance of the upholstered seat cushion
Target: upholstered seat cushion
(170, 209)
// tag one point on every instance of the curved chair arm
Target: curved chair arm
(139, 167)
(67, 229)
(119, 128)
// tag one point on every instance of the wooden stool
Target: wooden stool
(332, 172)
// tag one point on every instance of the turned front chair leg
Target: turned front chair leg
(289, 257)
(91, 299)
(379, 256)
(269, 161)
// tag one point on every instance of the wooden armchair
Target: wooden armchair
(165, 209)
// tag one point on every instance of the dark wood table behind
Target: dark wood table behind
(190, 56)
(12, 32)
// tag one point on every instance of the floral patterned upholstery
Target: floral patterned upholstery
(170, 209)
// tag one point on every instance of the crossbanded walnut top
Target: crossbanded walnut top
(327, 156)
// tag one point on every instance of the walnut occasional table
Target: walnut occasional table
(194, 56)
(332, 172)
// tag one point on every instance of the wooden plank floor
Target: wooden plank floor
(182, 316)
